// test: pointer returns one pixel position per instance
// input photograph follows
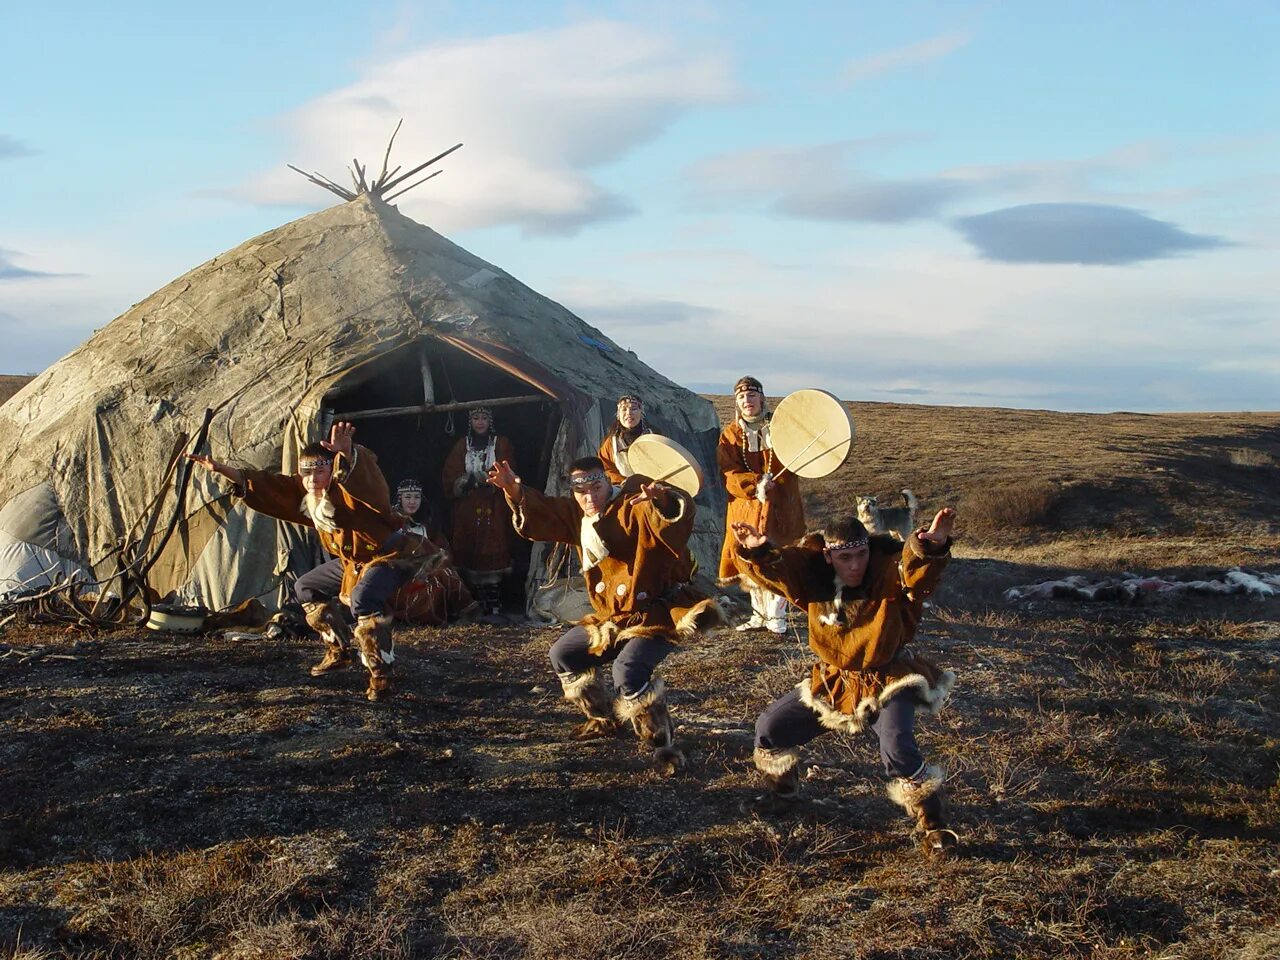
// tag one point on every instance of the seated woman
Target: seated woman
(435, 598)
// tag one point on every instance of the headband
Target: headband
(408, 485)
(747, 383)
(853, 544)
(586, 479)
(314, 460)
(485, 410)
(630, 396)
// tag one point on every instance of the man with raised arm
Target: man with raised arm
(340, 492)
(632, 540)
(864, 596)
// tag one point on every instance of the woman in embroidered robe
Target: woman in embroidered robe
(760, 494)
(481, 521)
(864, 596)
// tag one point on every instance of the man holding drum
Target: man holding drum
(633, 544)
(761, 494)
(865, 596)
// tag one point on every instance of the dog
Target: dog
(899, 522)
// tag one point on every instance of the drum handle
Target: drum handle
(803, 451)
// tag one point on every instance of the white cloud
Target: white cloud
(916, 53)
(537, 112)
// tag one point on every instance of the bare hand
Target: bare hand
(648, 491)
(340, 438)
(940, 531)
(748, 536)
(213, 466)
(505, 479)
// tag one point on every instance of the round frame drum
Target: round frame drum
(812, 433)
(664, 460)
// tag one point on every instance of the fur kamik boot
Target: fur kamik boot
(327, 620)
(780, 770)
(377, 652)
(923, 802)
(651, 720)
(586, 690)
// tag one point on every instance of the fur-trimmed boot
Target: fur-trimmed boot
(780, 770)
(649, 717)
(586, 690)
(923, 801)
(327, 620)
(377, 652)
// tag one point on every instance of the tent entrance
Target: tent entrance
(410, 407)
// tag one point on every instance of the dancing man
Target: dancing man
(632, 541)
(864, 596)
(341, 493)
(761, 494)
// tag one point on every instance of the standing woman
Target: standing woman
(761, 495)
(481, 520)
(629, 424)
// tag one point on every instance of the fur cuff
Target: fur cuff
(910, 796)
(930, 698)
(704, 615)
(574, 684)
(630, 707)
(776, 762)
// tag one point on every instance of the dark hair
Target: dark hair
(586, 465)
(845, 530)
(316, 449)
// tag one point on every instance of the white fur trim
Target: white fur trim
(776, 762)
(930, 699)
(910, 795)
(708, 611)
(321, 511)
(574, 684)
(376, 622)
(629, 708)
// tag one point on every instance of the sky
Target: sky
(1069, 206)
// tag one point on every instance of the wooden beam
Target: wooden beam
(441, 407)
(428, 382)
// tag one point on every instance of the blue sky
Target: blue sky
(1070, 206)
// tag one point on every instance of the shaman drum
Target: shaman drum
(666, 461)
(812, 433)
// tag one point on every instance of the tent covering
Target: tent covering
(279, 336)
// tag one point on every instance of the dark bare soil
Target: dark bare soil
(1114, 771)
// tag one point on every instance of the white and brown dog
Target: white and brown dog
(899, 522)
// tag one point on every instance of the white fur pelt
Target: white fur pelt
(321, 511)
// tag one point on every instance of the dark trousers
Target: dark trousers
(633, 661)
(787, 722)
(368, 597)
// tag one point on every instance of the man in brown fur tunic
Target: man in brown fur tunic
(340, 492)
(864, 596)
(633, 542)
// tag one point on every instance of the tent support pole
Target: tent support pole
(441, 407)
(428, 382)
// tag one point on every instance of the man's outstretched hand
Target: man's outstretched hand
(940, 530)
(505, 479)
(748, 537)
(213, 466)
(341, 436)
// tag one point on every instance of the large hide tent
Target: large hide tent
(355, 312)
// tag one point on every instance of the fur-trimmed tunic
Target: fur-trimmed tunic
(481, 535)
(368, 531)
(613, 454)
(860, 634)
(780, 517)
(638, 587)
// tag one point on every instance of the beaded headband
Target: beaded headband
(408, 486)
(630, 397)
(586, 479)
(313, 460)
(854, 544)
(747, 383)
(485, 410)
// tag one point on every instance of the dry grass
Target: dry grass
(1114, 771)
